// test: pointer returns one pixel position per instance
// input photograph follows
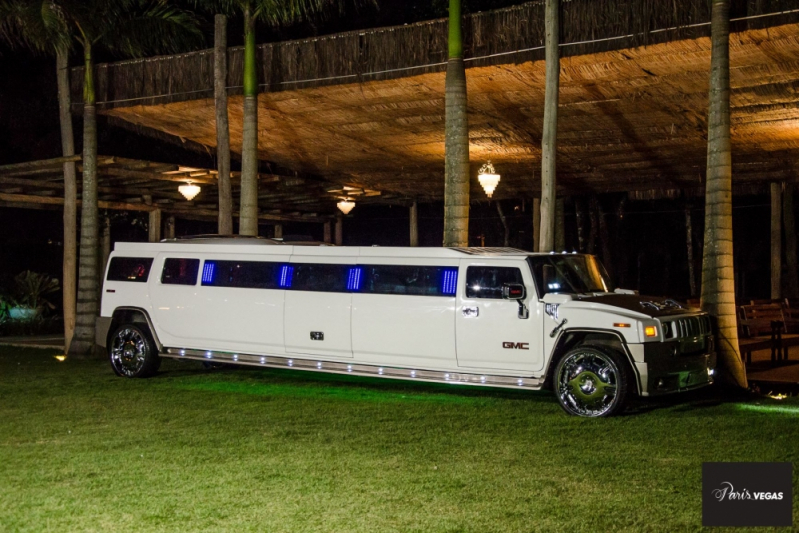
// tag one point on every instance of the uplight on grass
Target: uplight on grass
(60, 358)
(770, 409)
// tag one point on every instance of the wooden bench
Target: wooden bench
(758, 320)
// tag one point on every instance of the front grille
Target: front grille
(690, 326)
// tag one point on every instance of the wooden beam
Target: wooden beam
(41, 163)
(53, 200)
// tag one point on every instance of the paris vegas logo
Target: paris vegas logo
(727, 491)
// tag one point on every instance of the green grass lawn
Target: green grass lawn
(261, 450)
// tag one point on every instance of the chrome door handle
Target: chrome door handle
(470, 311)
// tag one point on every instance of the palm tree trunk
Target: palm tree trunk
(550, 134)
(506, 239)
(222, 129)
(70, 265)
(83, 341)
(718, 281)
(791, 263)
(456, 158)
(248, 209)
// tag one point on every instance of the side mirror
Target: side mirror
(513, 291)
(516, 291)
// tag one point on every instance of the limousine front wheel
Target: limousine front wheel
(133, 353)
(592, 382)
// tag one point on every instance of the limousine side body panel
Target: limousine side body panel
(319, 323)
(407, 330)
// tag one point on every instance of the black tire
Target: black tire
(132, 352)
(592, 382)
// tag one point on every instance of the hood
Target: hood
(650, 306)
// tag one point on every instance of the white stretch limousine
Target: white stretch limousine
(477, 316)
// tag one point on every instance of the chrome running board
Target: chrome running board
(357, 369)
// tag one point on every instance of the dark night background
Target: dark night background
(647, 243)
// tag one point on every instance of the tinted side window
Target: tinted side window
(129, 269)
(245, 274)
(415, 280)
(180, 271)
(320, 278)
(486, 282)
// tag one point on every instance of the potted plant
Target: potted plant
(30, 291)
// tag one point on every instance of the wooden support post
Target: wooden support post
(560, 225)
(536, 223)
(579, 212)
(169, 227)
(776, 239)
(414, 224)
(789, 226)
(155, 225)
(106, 251)
(689, 246)
(278, 231)
(339, 230)
(328, 239)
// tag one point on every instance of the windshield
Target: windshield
(572, 274)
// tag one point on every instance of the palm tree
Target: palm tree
(225, 226)
(131, 28)
(456, 140)
(38, 26)
(549, 138)
(273, 13)
(718, 286)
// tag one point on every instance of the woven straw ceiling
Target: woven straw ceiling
(633, 119)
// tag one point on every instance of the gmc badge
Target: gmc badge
(516, 345)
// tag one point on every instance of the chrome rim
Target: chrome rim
(128, 351)
(588, 383)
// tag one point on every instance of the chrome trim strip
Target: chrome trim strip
(357, 369)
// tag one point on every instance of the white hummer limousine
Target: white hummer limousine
(497, 317)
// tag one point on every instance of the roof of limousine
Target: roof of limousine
(259, 245)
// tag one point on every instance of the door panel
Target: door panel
(490, 334)
(312, 313)
(392, 329)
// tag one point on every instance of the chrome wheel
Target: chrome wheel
(588, 383)
(129, 351)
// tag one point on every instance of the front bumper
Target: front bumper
(663, 368)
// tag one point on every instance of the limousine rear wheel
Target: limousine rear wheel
(592, 382)
(132, 352)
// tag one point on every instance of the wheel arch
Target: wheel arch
(132, 315)
(571, 338)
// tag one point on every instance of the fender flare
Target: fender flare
(560, 346)
(121, 315)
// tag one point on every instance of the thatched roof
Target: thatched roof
(367, 108)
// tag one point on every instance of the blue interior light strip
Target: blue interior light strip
(449, 281)
(286, 273)
(354, 279)
(208, 272)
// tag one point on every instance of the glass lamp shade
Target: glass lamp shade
(189, 190)
(489, 183)
(488, 178)
(345, 206)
